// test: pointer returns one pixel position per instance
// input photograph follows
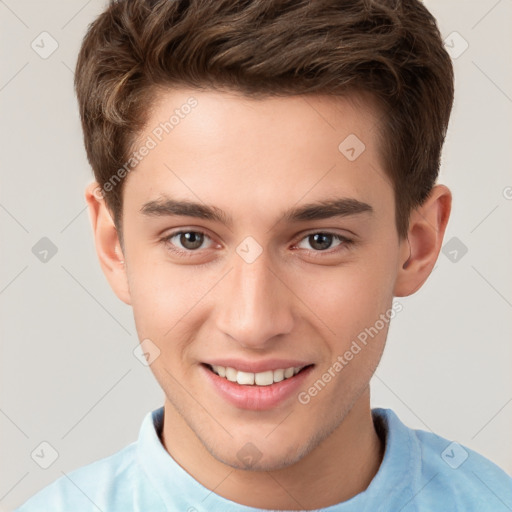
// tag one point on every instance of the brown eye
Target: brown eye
(321, 241)
(183, 242)
(191, 239)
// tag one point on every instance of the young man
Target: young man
(265, 186)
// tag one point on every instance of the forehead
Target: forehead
(213, 120)
(226, 149)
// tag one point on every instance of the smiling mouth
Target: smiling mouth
(266, 378)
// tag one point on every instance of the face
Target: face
(257, 248)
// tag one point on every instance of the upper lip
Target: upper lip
(258, 366)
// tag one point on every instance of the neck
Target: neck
(340, 467)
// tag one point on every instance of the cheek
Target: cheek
(350, 298)
(164, 301)
(167, 299)
(356, 306)
(157, 294)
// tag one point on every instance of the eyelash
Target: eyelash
(344, 242)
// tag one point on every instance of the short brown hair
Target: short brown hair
(391, 49)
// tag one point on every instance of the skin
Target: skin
(254, 159)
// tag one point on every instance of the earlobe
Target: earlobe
(108, 247)
(420, 250)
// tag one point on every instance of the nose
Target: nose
(255, 304)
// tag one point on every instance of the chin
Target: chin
(265, 463)
(260, 456)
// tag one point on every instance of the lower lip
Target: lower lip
(256, 398)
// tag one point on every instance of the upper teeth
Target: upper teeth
(260, 379)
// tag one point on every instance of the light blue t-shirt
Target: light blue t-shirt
(420, 471)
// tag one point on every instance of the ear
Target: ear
(107, 242)
(420, 250)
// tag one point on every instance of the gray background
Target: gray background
(69, 376)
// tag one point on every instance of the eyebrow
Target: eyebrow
(329, 208)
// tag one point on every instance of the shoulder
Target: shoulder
(444, 472)
(471, 479)
(100, 485)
